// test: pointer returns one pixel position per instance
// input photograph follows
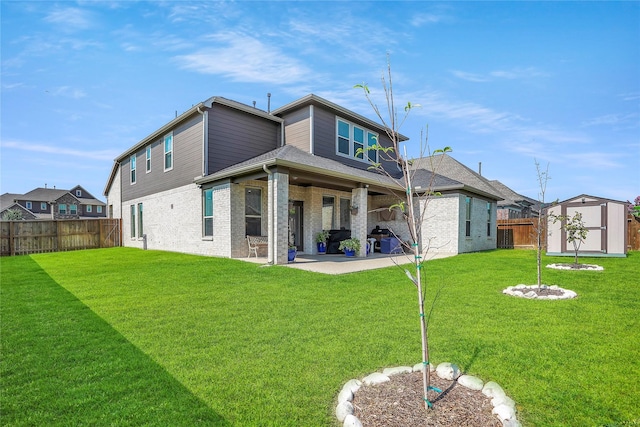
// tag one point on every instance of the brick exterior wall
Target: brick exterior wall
(441, 224)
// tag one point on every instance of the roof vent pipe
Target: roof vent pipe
(480, 168)
(254, 104)
(269, 102)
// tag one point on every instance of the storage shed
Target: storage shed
(605, 219)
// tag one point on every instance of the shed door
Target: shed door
(594, 216)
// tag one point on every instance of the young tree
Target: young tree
(575, 229)
(541, 227)
(12, 215)
(412, 204)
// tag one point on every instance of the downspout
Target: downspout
(205, 145)
(270, 220)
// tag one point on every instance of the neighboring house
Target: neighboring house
(52, 203)
(605, 220)
(223, 170)
(515, 205)
(8, 203)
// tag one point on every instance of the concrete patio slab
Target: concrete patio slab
(340, 264)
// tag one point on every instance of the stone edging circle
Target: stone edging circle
(583, 267)
(503, 406)
(524, 291)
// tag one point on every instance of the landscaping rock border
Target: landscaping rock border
(581, 267)
(503, 406)
(529, 292)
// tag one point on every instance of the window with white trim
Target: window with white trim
(467, 222)
(253, 211)
(328, 216)
(62, 209)
(168, 152)
(99, 209)
(133, 221)
(43, 206)
(132, 163)
(73, 209)
(207, 212)
(29, 205)
(87, 208)
(140, 229)
(488, 219)
(78, 193)
(350, 138)
(148, 151)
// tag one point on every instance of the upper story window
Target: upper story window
(132, 162)
(168, 152)
(87, 208)
(29, 205)
(99, 209)
(62, 209)
(73, 209)
(78, 193)
(43, 206)
(350, 138)
(149, 158)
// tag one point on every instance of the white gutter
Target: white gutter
(311, 112)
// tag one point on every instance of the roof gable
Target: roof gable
(345, 113)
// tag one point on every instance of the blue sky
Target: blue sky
(501, 83)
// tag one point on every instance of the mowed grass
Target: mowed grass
(128, 337)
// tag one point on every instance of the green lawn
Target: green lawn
(128, 337)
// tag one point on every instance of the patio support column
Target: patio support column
(278, 208)
(359, 220)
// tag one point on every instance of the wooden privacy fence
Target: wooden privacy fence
(32, 237)
(519, 233)
(633, 233)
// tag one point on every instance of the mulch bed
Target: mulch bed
(545, 291)
(398, 403)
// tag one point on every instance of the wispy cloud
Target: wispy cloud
(612, 120)
(596, 160)
(512, 74)
(518, 73)
(437, 14)
(70, 18)
(630, 96)
(471, 77)
(67, 92)
(48, 149)
(245, 59)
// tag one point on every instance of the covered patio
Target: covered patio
(340, 264)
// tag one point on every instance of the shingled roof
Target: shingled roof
(449, 167)
(511, 198)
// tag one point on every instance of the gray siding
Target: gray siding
(325, 139)
(297, 128)
(235, 136)
(187, 162)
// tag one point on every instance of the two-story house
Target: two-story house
(223, 170)
(52, 203)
